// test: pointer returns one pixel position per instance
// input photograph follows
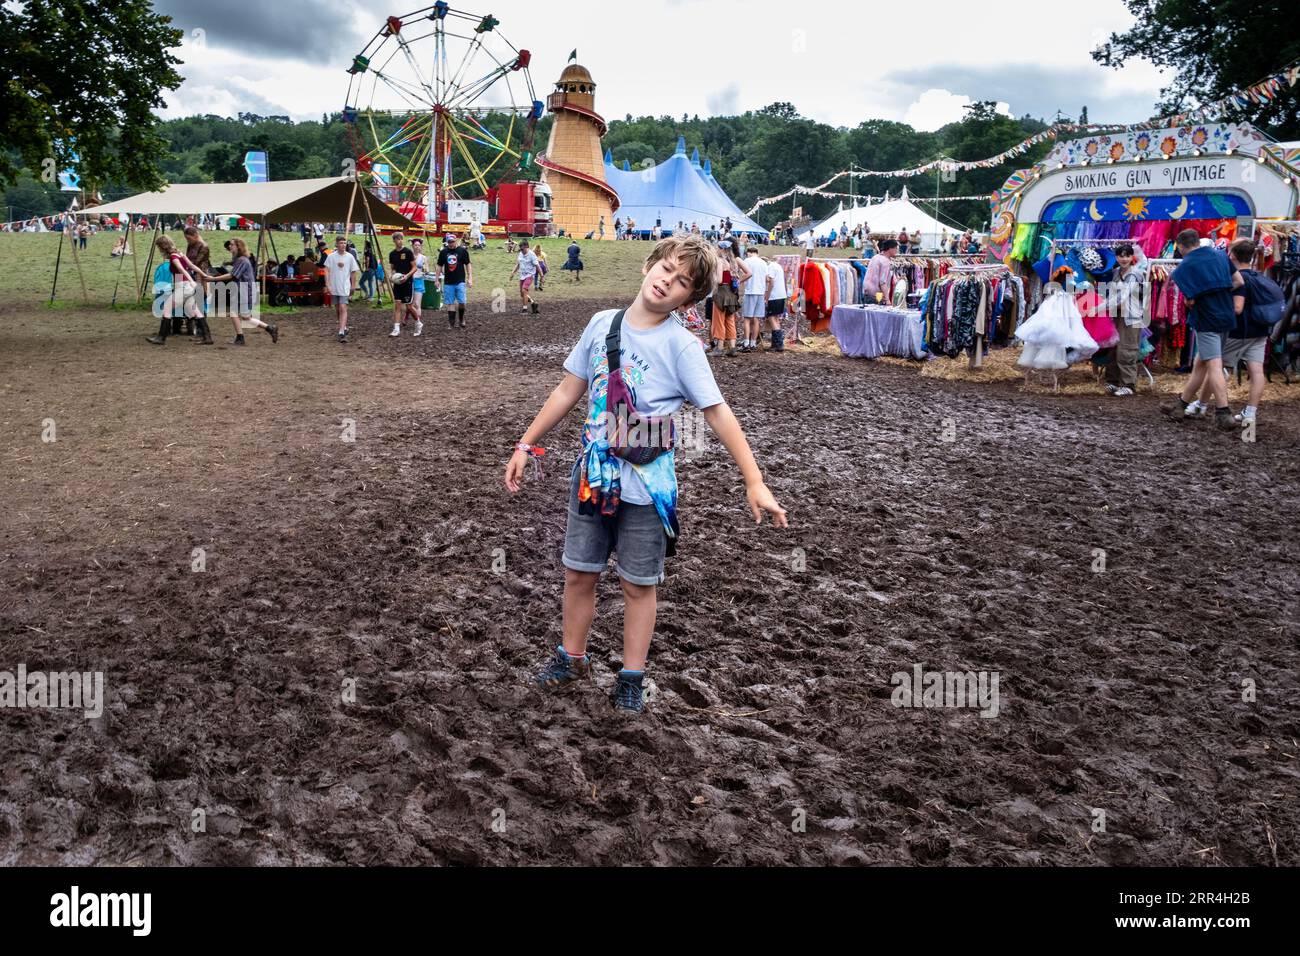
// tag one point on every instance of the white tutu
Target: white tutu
(1054, 336)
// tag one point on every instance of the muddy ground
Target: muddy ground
(371, 562)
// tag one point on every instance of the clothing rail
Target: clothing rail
(1088, 242)
(976, 269)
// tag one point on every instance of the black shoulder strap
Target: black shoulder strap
(613, 353)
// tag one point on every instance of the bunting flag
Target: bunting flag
(1265, 91)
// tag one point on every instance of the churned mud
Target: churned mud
(1131, 582)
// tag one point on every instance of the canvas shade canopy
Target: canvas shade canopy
(289, 200)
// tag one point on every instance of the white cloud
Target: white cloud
(935, 108)
(691, 56)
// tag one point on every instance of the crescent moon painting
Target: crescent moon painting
(1181, 210)
(1094, 212)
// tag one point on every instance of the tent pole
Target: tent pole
(57, 259)
(121, 262)
(153, 244)
(270, 237)
(374, 237)
(261, 243)
(130, 238)
(76, 260)
(347, 225)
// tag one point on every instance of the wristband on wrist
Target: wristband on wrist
(536, 451)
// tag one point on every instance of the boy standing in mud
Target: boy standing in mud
(628, 503)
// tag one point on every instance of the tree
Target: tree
(780, 110)
(223, 163)
(91, 75)
(1215, 47)
(27, 198)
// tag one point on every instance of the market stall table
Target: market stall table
(875, 330)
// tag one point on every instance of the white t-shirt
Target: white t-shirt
(778, 280)
(339, 268)
(756, 284)
(662, 367)
(527, 265)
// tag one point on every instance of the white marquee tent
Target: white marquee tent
(888, 216)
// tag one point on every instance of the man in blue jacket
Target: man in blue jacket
(1206, 279)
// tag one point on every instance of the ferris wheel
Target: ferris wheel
(440, 105)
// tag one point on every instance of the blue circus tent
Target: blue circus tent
(677, 190)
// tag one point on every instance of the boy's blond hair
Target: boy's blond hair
(696, 253)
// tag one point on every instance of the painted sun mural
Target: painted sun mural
(1135, 208)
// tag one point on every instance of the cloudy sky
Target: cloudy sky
(918, 62)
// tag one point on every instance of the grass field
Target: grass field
(27, 267)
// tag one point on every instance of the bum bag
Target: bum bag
(637, 439)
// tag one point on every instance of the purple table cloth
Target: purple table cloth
(874, 331)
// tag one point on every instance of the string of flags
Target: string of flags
(943, 165)
(871, 200)
(1258, 94)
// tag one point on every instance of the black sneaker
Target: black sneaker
(627, 695)
(342, 338)
(239, 340)
(564, 670)
(274, 330)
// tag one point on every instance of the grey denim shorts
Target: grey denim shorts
(635, 533)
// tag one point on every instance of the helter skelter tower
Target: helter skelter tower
(573, 164)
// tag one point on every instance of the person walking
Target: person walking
(243, 309)
(197, 251)
(341, 272)
(457, 278)
(369, 272)
(573, 263)
(1258, 304)
(183, 295)
(402, 267)
(1207, 281)
(754, 307)
(776, 296)
(726, 298)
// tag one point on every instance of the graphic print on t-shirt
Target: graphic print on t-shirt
(401, 261)
(453, 262)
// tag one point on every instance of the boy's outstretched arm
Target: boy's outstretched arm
(724, 425)
(563, 398)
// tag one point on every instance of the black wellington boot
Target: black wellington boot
(161, 338)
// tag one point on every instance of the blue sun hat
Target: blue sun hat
(1074, 261)
(1044, 267)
